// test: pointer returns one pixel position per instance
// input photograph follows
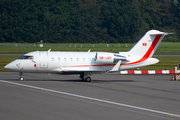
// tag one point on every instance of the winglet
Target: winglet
(117, 66)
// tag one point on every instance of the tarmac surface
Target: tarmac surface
(108, 97)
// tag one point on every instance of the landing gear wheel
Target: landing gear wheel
(21, 79)
(88, 79)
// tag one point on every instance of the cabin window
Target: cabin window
(89, 59)
(77, 59)
(64, 59)
(71, 59)
(26, 57)
(83, 59)
(52, 59)
(59, 59)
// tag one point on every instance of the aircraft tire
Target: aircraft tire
(88, 79)
(21, 79)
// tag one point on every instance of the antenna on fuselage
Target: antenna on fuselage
(89, 50)
(49, 50)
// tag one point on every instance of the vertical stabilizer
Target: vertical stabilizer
(148, 44)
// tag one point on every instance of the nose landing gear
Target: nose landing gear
(21, 78)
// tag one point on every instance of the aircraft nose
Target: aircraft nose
(6, 67)
(12, 66)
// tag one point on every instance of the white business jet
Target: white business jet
(88, 63)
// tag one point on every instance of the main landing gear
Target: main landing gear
(21, 78)
(85, 77)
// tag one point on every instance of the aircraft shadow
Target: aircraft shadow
(75, 80)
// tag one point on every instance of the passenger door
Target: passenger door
(44, 59)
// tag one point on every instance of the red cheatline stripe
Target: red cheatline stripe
(104, 65)
(90, 65)
(148, 53)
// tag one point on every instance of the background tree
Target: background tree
(92, 21)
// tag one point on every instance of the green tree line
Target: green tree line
(86, 21)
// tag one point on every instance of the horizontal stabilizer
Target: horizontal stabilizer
(160, 33)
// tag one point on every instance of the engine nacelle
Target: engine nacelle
(104, 58)
(108, 58)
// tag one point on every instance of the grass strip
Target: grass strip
(164, 47)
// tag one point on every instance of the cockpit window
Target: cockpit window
(26, 57)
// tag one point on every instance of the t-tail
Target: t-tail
(141, 54)
(148, 44)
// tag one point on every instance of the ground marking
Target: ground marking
(94, 99)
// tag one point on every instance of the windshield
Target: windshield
(26, 57)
